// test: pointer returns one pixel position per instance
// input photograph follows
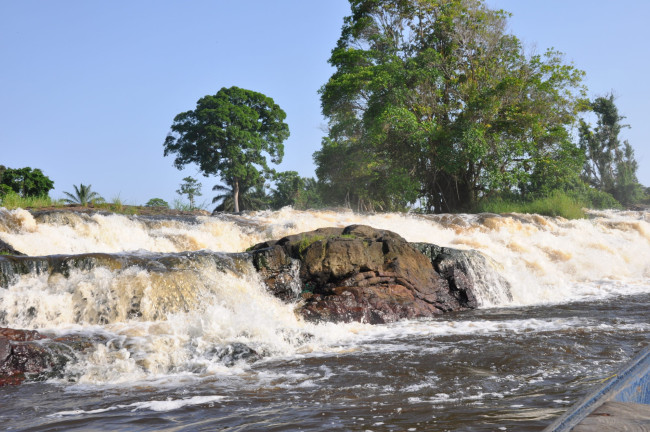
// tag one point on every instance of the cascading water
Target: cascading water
(545, 259)
(165, 306)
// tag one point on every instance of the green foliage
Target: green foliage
(180, 205)
(432, 101)
(26, 182)
(592, 197)
(610, 165)
(288, 185)
(646, 196)
(557, 203)
(250, 198)
(292, 190)
(5, 189)
(157, 202)
(355, 177)
(190, 187)
(83, 195)
(230, 134)
(11, 200)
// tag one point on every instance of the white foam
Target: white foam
(187, 315)
(545, 259)
(154, 405)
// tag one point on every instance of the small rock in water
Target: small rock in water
(235, 352)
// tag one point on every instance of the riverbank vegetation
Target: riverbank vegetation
(432, 107)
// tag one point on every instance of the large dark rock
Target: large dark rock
(359, 273)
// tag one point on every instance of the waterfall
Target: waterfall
(165, 296)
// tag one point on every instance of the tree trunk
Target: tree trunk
(235, 194)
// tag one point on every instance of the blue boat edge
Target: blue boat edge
(630, 384)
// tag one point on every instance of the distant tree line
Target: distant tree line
(432, 106)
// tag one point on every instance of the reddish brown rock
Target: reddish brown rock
(359, 273)
(28, 354)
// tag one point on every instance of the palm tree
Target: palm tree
(83, 195)
(250, 198)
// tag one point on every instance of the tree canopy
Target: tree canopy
(432, 100)
(293, 190)
(609, 164)
(230, 134)
(26, 182)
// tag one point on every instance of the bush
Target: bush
(11, 200)
(157, 202)
(557, 203)
(594, 198)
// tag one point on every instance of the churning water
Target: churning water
(577, 309)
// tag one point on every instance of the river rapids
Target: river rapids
(210, 349)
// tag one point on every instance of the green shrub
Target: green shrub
(594, 198)
(558, 203)
(11, 200)
(157, 202)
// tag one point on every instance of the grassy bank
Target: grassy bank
(556, 204)
(14, 201)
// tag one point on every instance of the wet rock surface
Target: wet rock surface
(357, 273)
(360, 273)
(30, 355)
(7, 249)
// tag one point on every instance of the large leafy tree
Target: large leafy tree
(26, 182)
(434, 101)
(610, 165)
(230, 134)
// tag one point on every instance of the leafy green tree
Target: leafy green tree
(83, 195)
(190, 187)
(431, 100)
(627, 189)
(354, 175)
(4, 190)
(288, 185)
(157, 202)
(610, 165)
(250, 198)
(230, 134)
(27, 182)
(293, 190)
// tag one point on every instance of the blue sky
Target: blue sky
(89, 89)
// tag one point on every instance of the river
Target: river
(577, 310)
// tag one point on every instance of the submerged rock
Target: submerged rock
(30, 355)
(360, 273)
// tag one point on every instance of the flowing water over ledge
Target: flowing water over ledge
(580, 296)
